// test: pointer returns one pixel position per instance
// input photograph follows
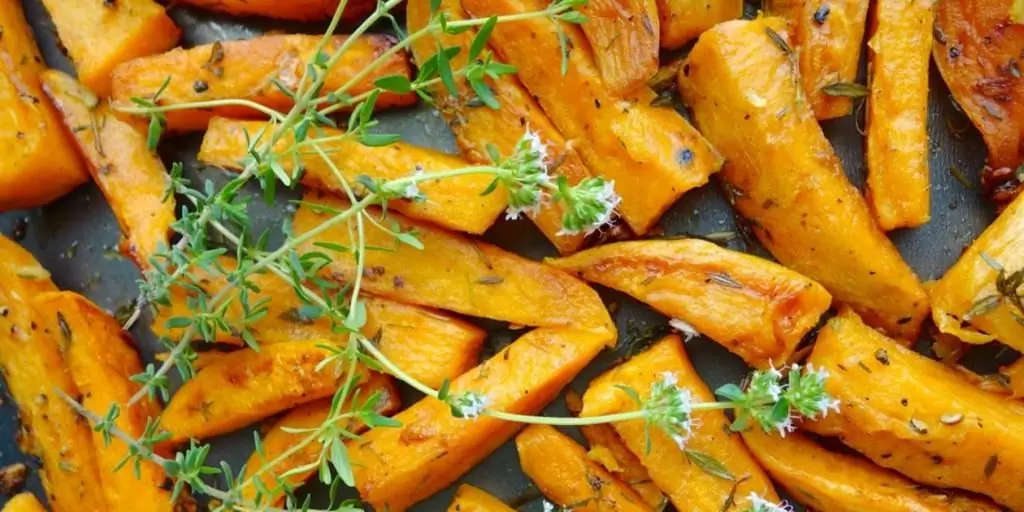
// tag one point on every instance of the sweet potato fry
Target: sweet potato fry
(33, 369)
(562, 471)
(476, 127)
(898, 189)
(652, 154)
(24, 502)
(429, 345)
(836, 482)
(916, 416)
(977, 49)
(39, 162)
(624, 35)
(683, 20)
(297, 10)
(829, 38)
(101, 361)
(457, 274)
(100, 35)
(397, 467)
(246, 69)
(785, 178)
(133, 178)
(967, 301)
(247, 386)
(688, 486)
(757, 309)
(471, 499)
(276, 443)
(608, 450)
(454, 203)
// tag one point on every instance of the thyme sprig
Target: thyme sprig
(1008, 291)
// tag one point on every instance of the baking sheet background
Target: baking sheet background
(76, 238)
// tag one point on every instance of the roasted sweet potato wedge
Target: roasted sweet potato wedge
(562, 471)
(24, 502)
(429, 345)
(454, 203)
(471, 499)
(967, 301)
(624, 35)
(300, 10)
(826, 480)
(245, 69)
(652, 154)
(101, 360)
(687, 485)
(916, 416)
(757, 309)
(246, 386)
(456, 273)
(278, 441)
(683, 20)
(829, 38)
(39, 162)
(397, 467)
(100, 35)
(476, 126)
(977, 48)
(608, 450)
(132, 178)
(898, 190)
(784, 177)
(33, 369)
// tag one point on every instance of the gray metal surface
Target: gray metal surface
(75, 239)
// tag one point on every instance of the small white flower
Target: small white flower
(515, 212)
(773, 370)
(786, 426)
(759, 504)
(548, 506)
(412, 191)
(470, 404)
(537, 150)
(671, 408)
(610, 199)
(688, 331)
(826, 404)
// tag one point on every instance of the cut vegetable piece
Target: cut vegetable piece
(34, 279)
(784, 177)
(397, 467)
(683, 20)
(608, 450)
(836, 482)
(247, 386)
(455, 203)
(562, 471)
(247, 69)
(968, 302)
(652, 154)
(714, 468)
(39, 163)
(102, 361)
(757, 309)
(624, 37)
(898, 190)
(24, 502)
(977, 49)
(431, 346)
(132, 178)
(100, 35)
(456, 273)
(828, 39)
(34, 371)
(297, 10)
(470, 499)
(278, 454)
(477, 127)
(916, 416)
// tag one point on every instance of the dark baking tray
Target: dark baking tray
(75, 238)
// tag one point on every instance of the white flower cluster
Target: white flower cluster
(759, 504)
(671, 408)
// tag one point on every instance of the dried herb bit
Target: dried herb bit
(709, 465)
(65, 329)
(821, 15)
(951, 419)
(303, 315)
(215, 63)
(724, 279)
(12, 477)
(882, 356)
(918, 426)
(846, 90)
(990, 465)
(961, 177)
(983, 307)
(200, 86)
(490, 280)
(779, 41)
